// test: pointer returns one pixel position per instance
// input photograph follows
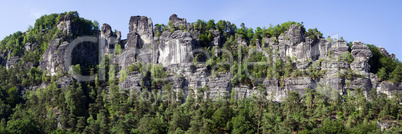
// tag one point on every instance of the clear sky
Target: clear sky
(373, 22)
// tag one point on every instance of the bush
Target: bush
(314, 34)
(348, 57)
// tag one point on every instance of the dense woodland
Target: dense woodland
(101, 107)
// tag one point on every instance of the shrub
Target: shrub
(348, 57)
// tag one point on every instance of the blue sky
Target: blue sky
(373, 22)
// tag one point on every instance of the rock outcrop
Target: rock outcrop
(53, 59)
(141, 38)
(108, 39)
(175, 48)
(175, 51)
(176, 21)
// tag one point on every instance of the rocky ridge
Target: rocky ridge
(176, 50)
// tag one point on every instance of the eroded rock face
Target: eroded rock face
(219, 86)
(53, 59)
(176, 21)
(133, 82)
(383, 51)
(3, 61)
(142, 27)
(12, 61)
(66, 25)
(28, 46)
(175, 51)
(274, 91)
(107, 39)
(217, 41)
(141, 37)
(361, 52)
(293, 36)
(299, 84)
(64, 82)
(338, 48)
(176, 48)
(389, 88)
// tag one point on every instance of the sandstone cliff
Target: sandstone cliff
(177, 49)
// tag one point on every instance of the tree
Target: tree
(396, 75)
(24, 126)
(242, 123)
(219, 118)
(95, 25)
(211, 24)
(382, 74)
(331, 127)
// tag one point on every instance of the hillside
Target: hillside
(69, 74)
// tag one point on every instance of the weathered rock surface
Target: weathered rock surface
(141, 38)
(176, 21)
(389, 88)
(66, 25)
(54, 57)
(361, 52)
(107, 39)
(11, 61)
(175, 51)
(176, 48)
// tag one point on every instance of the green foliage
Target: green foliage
(331, 127)
(26, 126)
(382, 74)
(206, 38)
(226, 28)
(159, 29)
(118, 49)
(396, 75)
(384, 67)
(348, 57)
(275, 31)
(314, 34)
(211, 24)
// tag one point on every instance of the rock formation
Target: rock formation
(175, 51)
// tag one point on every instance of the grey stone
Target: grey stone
(54, 57)
(176, 21)
(176, 48)
(360, 51)
(389, 88)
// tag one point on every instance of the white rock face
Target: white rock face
(175, 48)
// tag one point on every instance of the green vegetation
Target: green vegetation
(117, 49)
(385, 67)
(314, 34)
